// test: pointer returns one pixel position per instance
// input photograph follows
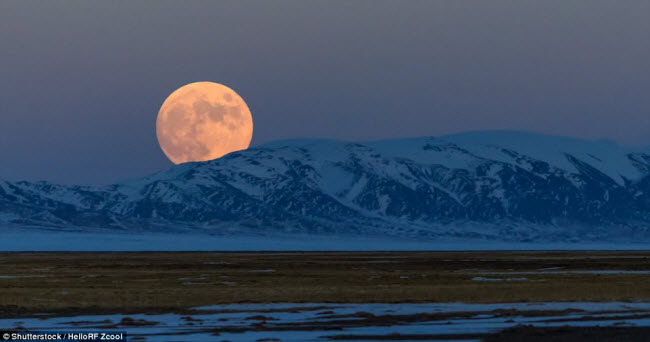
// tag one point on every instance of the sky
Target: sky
(81, 82)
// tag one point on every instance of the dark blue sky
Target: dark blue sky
(81, 82)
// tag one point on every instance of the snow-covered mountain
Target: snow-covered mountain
(494, 185)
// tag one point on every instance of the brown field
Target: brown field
(48, 282)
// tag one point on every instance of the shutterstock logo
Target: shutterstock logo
(114, 336)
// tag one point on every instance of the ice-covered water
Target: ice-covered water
(320, 321)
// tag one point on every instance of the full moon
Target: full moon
(203, 121)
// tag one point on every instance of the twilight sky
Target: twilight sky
(81, 82)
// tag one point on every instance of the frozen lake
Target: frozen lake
(327, 321)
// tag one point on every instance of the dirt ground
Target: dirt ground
(155, 282)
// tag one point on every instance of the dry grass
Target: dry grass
(181, 280)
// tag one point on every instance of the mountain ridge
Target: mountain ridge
(493, 185)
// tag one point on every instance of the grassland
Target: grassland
(42, 282)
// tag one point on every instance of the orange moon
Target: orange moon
(203, 121)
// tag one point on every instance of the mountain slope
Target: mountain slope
(490, 185)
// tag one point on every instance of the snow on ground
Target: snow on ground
(56, 240)
(319, 321)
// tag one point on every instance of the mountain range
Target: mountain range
(490, 185)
